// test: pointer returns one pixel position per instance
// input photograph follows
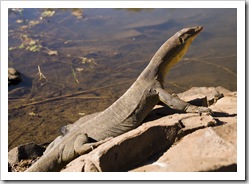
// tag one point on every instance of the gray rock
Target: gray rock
(14, 77)
(227, 104)
(27, 151)
(222, 90)
(207, 95)
(203, 150)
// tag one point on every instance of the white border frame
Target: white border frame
(239, 175)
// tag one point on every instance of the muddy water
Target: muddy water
(79, 61)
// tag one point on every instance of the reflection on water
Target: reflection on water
(79, 61)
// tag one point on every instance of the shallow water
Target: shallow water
(88, 58)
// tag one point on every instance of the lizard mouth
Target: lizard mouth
(198, 29)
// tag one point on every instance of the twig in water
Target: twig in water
(40, 74)
(74, 75)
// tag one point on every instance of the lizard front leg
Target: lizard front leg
(174, 102)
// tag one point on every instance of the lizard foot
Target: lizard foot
(199, 110)
(83, 146)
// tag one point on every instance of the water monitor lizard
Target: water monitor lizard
(128, 112)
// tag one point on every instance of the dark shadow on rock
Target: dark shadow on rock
(229, 168)
(126, 155)
(159, 113)
(165, 111)
(153, 158)
(30, 151)
(9, 167)
(222, 114)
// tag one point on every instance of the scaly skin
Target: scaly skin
(128, 112)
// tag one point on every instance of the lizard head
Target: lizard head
(174, 49)
(186, 36)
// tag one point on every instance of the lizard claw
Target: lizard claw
(204, 110)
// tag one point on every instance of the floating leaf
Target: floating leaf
(19, 21)
(21, 46)
(90, 61)
(78, 13)
(29, 44)
(33, 22)
(82, 113)
(32, 42)
(34, 48)
(12, 48)
(23, 27)
(85, 60)
(47, 13)
(68, 41)
(32, 114)
(52, 52)
(19, 10)
(79, 69)
(16, 10)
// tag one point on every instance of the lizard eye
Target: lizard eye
(181, 40)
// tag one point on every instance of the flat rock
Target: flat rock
(207, 95)
(206, 149)
(223, 90)
(227, 104)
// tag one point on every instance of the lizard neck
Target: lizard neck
(168, 55)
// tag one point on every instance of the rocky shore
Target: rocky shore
(166, 142)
